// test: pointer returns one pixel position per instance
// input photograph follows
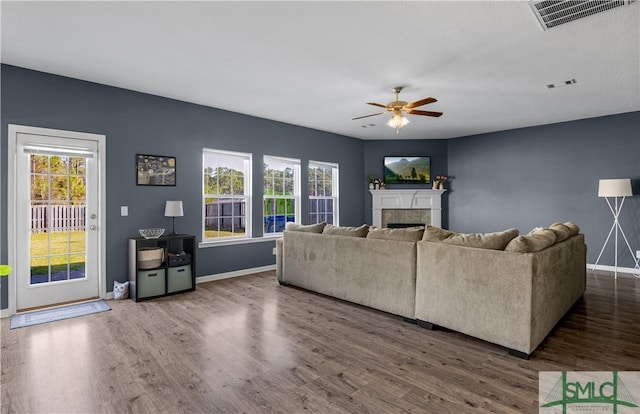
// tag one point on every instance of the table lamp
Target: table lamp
(173, 209)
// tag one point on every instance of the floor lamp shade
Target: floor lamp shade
(619, 187)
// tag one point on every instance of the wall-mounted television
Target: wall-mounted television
(407, 170)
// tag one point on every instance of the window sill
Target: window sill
(269, 238)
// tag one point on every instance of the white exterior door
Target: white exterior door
(57, 225)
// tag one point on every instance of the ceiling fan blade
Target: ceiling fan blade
(425, 113)
(377, 104)
(421, 102)
(367, 116)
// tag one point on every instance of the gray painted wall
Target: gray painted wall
(140, 123)
(532, 177)
(374, 152)
(519, 178)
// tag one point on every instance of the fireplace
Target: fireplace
(406, 208)
(405, 217)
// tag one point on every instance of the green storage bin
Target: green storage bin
(179, 279)
(151, 283)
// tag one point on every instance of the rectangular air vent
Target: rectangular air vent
(552, 13)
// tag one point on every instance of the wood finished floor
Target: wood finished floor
(249, 345)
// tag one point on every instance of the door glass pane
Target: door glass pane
(59, 187)
(77, 166)
(39, 270)
(58, 165)
(76, 266)
(58, 218)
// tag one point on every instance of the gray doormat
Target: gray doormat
(55, 314)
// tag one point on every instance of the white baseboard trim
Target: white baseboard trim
(235, 273)
(628, 270)
(4, 313)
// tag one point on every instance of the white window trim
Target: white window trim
(296, 191)
(248, 196)
(335, 187)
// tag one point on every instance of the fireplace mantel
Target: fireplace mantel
(407, 199)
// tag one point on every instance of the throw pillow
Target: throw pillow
(346, 231)
(493, 241)
(412, 234)
(573, 227)
(306, 228)
(562, 232)
(436, 234)
(532, 242)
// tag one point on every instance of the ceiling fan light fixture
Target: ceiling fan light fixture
(397, 121)
(398, 107)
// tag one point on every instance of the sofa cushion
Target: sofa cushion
(436, 234)
(412, 234)
(306, 228)
(562, 232)
(493, 241)
(573, 228)
(532, 242)
(346, 231)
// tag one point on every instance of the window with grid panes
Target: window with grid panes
(281, 177)
(226, 195)
(323, 193)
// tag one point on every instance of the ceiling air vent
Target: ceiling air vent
(552, 13)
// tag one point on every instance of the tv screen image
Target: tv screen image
(407, 170)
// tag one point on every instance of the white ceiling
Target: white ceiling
(315, 64)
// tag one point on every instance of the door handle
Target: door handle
(92, 227)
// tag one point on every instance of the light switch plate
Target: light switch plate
(124, 210)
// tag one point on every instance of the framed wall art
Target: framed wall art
(158, 170)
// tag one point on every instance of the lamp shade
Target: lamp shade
(619, 187)
(173, 209)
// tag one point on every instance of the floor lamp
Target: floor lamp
(617, 189)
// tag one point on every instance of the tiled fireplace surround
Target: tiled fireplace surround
(420, 207)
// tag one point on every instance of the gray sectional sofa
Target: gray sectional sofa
(501, 287)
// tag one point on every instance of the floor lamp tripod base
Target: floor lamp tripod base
(615, 229)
